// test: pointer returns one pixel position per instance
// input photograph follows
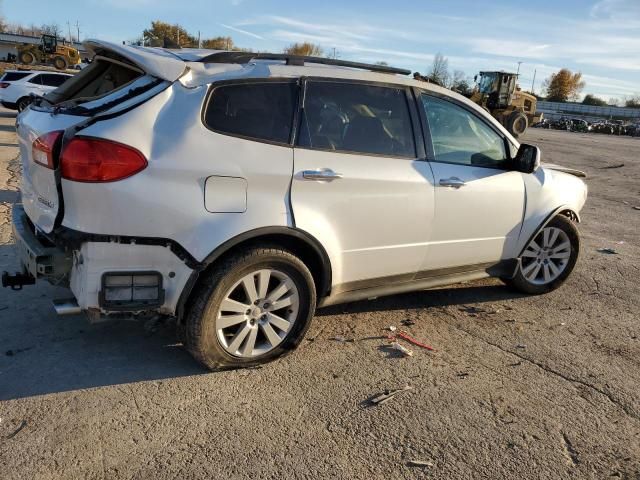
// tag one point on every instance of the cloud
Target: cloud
(244, 32)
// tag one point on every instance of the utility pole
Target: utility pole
(78, 29)
(533, 82)
(69, 27)
(518, 72)
(199, 43)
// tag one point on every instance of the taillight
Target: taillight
(87, 159)
(44, 147)
(4, 84)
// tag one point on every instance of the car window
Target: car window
(353, 117)
(52, 80)
(458, 136)
(263, 111)
(37, 80)
(13, 76)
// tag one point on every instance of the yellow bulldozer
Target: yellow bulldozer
(49, 51)
(498, 93)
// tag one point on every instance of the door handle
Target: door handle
(454, 182)
(325, 174)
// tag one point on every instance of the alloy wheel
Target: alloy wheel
(257, 313)
(546, 257)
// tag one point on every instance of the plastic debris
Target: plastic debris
(17, 430)
(388, 395)
(405, 336)
(608, 251)
(392, 328)
(404, 350)
(407, 322)
(419, 463)
(521, 346)
(341, 339)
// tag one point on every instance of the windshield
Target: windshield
(486, 83)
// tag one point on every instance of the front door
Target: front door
(358, 186)
(479, 200)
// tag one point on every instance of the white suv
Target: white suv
(18, 86)
(237, 192)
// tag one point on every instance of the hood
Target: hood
(156, 62)
(560, 168)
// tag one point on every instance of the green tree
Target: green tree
(160, 31)
(306, 49)
(590, 99)
(563, 86)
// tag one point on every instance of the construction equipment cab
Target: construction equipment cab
(50, 50)
(498, 93)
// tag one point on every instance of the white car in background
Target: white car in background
(17, 86)
(238, 191)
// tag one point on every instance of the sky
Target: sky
(600, 38)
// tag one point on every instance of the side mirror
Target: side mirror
(527, 159)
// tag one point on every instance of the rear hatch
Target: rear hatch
(119, 78)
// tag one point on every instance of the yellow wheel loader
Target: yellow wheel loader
(498, 93)
(49, 51)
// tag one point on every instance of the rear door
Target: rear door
(360, 185)
(479, 199)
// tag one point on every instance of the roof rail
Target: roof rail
(298, 60)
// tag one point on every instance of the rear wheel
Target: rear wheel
(517, 124)
(27, 58)
(548, 259)
(255, 307)
(23, 103)
(60, 63)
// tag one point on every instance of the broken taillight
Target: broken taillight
(44, 148)
(86, 159)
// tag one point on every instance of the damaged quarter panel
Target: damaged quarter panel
(549, 191)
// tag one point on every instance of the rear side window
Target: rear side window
(52, 80)
(262, 111)
(13, 76)
(353, 117)
(37, 80)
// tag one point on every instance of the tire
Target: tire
(523, 281)
(27, 58)
(517, 124)
(223, 341)
(60, 63)
(23, 103)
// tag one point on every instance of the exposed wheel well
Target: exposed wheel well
(313, 256)
(571, 215)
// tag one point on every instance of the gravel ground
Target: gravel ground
(518, 387)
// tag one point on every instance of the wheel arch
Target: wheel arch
(562, 210)
(299, 242)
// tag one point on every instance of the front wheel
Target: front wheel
(548, 259)
(255, 307)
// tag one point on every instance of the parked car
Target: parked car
(579, 125)
(237, 192)
(18, 86)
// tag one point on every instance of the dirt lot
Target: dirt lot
(519, 387)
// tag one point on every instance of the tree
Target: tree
(614, 102)
(219, 43)
(306, 49)
(563, 86)
(156, 35)
(460, 83)
(590, 99)
(50, 29)
(439, 71)
(632, 102)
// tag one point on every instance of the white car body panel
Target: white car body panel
(375, 221)
(24, 88)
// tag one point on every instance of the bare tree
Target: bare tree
(51, 29)
(306, 49)
(439, 71)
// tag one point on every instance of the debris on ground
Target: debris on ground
(617, 165)
(404, 350)
(387, 395)
(462, 374)
(392, 328)
(407, 323)
(636, 208)
(17, 430)
(521, 346)
(405, 336)
(608, 251)
(419, 463)
(341, 339)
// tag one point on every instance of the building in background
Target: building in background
(9, 42)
